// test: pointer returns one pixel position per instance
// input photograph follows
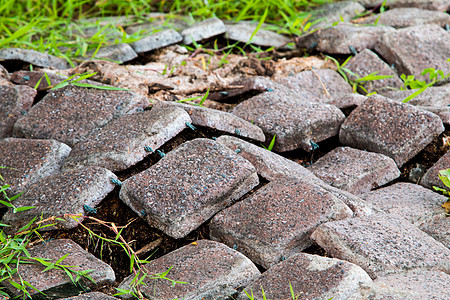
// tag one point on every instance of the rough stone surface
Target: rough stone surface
(91, 296)
(15, 101)
(28, 161)
(348, 101)
(410, 201)
(69, 113)
(441, 5)
(121, 143)
(188, 186)
(431, 177)
(55, 283)
(31, 78)
(398, 130)
(203, 30)
(378, 244)
(157, 40)
(33, 57)
(118, 52)
(413, 49)
(339, 38)
(439, 230)
(210, 268)
(355, 171)
(219, 120)
(243, 31)
(311, 277)
(330, 13)
(65, 192)
(262, 228)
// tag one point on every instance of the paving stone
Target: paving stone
(410, 201)
(70, 113)
(438, 229)
(398, 130)
(158, 21)
(331, 13)
(355, 171)
(295, 121)
(91, 296)
(339, 38)
(118, 52)
(311, 277)
(277, 220)
(188, 186)
(55, 283)
(346, 101)
(28, 161)
(203, 30)
(382, 243)
(219, 120)
(209, 268)
(367, 62)
(33, 57)
(441, 5)
(434, 99)
(243, 31)
(406, 285)
(65, 192)
(407, 17)
(4, 77)
(15, 101)
(157, 40)
(431, 177)
(323, 84)
(413, 49)
(121, 143)
(31, 78)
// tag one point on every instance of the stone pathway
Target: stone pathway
(66, 149)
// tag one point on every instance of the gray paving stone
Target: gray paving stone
(33, 57)
(28, 161)
(157, 40)
(382, 243)
(339, 38)
(413, 49)
(243, 31)
(407, 17)
(398, 130)
(330, 13)
(323, 84)
(91, 296)
(188, 186)
(348, 100)
(367, 62)
(441, 5)
(295, 121)
(70, 113)
(121, 143)
(277, 220)
(15, 101)
(415, 284)
(410, 201)
(311, 277)
(431, 177)
(65, 192)
(219, 120)
(438, 229)
(355, 171)
(55, 283)
(210, 268)
(203, 30)
(118, 52)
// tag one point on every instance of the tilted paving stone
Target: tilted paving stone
(330, 13)
(15, 101)
(277, 220)
(441, 5)
(211, 270)
(33, 57)
(217, 119)
(340, 38)
(66, 192)
(28, 161)
(323, 84)
(295, 121)
(203, 30)
(188, 186)
(410, 201)
(118, 52)
(70, 113)
(367, 62)
(31, 78)
(398, 130)
(311, 277)
(431, 177)
(407, 17)
(439, 230)
(382, 243)
(122, 143)
(55, 283)
(348, 100)
(157, 40)
(243, 31)
(355, 171)
(413, 49)
(416, 284)
(91, 296)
